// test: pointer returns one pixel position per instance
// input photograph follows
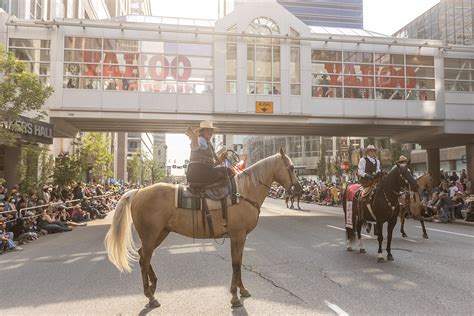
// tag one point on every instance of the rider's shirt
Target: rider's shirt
(368, 165)
(204, 153)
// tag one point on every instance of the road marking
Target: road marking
(410, 240)
(447, 232)
(339, 311)
(343, 229)
(273, 211)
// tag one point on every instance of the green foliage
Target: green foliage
(67, 169)
(134, 168)
(152, 173)
(35, 168)
(95, 154)
(20, 92)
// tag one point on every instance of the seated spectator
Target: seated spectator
(6, 238)
(21, 233)
(78, 215)
(458, 205)
(66, 219)
(93, 211)
(47, 223)
(445, 208)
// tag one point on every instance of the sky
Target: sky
(382, 16)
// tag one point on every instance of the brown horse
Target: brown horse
(290, 196)
(154, 215)
(412, 202)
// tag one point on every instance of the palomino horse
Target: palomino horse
(412, 202)
(154, 215)
(384, 207)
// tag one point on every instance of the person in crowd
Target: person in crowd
(454, 177)
(47, 222)
(64, 217)
(6, 238)
(78, 215)
(452, 189)
(463, 178)
(458, 205)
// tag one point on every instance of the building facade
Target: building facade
(450, 21)
(156, 74)
(335, 13)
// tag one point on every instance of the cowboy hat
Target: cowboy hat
(206, 125)
(402, 159)
(370, 147)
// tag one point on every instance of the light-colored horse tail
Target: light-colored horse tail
(119, 242)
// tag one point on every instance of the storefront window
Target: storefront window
(365, 75)
(131, 65)
(295, 150)
(459, 74)
(263, 58)
(36, 55)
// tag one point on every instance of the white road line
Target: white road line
(273, 211)
(447, 232)
(339, 311)
(411, 240)
(343, 229)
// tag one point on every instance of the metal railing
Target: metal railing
(10, 212)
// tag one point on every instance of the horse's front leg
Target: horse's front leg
(391, 224)
(298, 201)
(379, 226)
(402, 223)
(236, 249)
(422, 222)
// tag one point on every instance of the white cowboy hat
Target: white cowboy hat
(402, 159)
(370, 147)
(206, 125)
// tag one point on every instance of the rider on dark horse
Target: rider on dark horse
(205, 167)
(369, 173)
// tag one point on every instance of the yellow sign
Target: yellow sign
(264, 107)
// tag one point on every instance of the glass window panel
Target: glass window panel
(421, 95)
(31, 54)
(326, 55)
(195, 74)
(358, 57)
(295, 73)
(45, 81)
(231, 87)
(458, 63)
(326, 68)
(82, 69)
(195, 49)
(251, 88)
(250, 62)
(458, 74)
(81, 83)
(324, 79)
(158, 86)
(421, 71)
(155, 73)
(382, 58)
(231, 61)
(232, 38)
(195, 87)
(457, 85)
(121, 45)
(326, 92)
(83, 43)
(120, 58)
(293, 35)
(32, 43)
(358, 81)
(390, 70)
(263, 63)
(420, 83)
(357, 93)
(158, 47)
(156, 60)
(82, 56)
(420, 60)
(359, 69)
(390, 94)
(295, 89)
(276, 63)
(276, 89)
(390, 82)
(39, 69)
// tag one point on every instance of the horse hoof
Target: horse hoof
(153, 304)
(362, 250)
(389, 258)
(349, 249)
(425, 236)
(235, 302)
(380, 260)
(244, 293)
(404, 235)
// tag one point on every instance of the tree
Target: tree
(35, 167)
(67, 169)
(20, 92)
(95, 155)
(152, 171)
(133, 168)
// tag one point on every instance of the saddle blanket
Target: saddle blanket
(351, 191)
(187, 200)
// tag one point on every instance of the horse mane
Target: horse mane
(256, 171)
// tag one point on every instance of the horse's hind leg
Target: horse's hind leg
(236, 249)
(379, 227)
(402, 223)
(145, 258)
(391, 224)
(359, 237)
(425, 234)
(151, 273)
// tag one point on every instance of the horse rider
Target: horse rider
(369, 172)
(205, 167)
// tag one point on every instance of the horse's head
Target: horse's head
(406, 179)
(284, 173)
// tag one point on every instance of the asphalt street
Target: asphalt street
(294, 263)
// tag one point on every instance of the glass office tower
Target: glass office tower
(449, 20)
(336, 13)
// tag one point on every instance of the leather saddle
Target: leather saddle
(214, 191)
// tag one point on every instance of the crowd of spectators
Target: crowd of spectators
(26, 217)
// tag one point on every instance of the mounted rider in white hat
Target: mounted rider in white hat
(204, 165)
(369, 172)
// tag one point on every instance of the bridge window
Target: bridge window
(459, 75)
(366, 75)
(263, 57)
(131, 65)
(36, 55)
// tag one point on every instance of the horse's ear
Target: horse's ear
(282, 153)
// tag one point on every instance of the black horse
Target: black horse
(384, 207)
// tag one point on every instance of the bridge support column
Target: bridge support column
(434, 164)
(120, 156)
(470, 161)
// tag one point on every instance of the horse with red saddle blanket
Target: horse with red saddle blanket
(380, 206)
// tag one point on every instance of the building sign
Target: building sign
(32, 130)
(264, 107)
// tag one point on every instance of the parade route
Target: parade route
(294, 263)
